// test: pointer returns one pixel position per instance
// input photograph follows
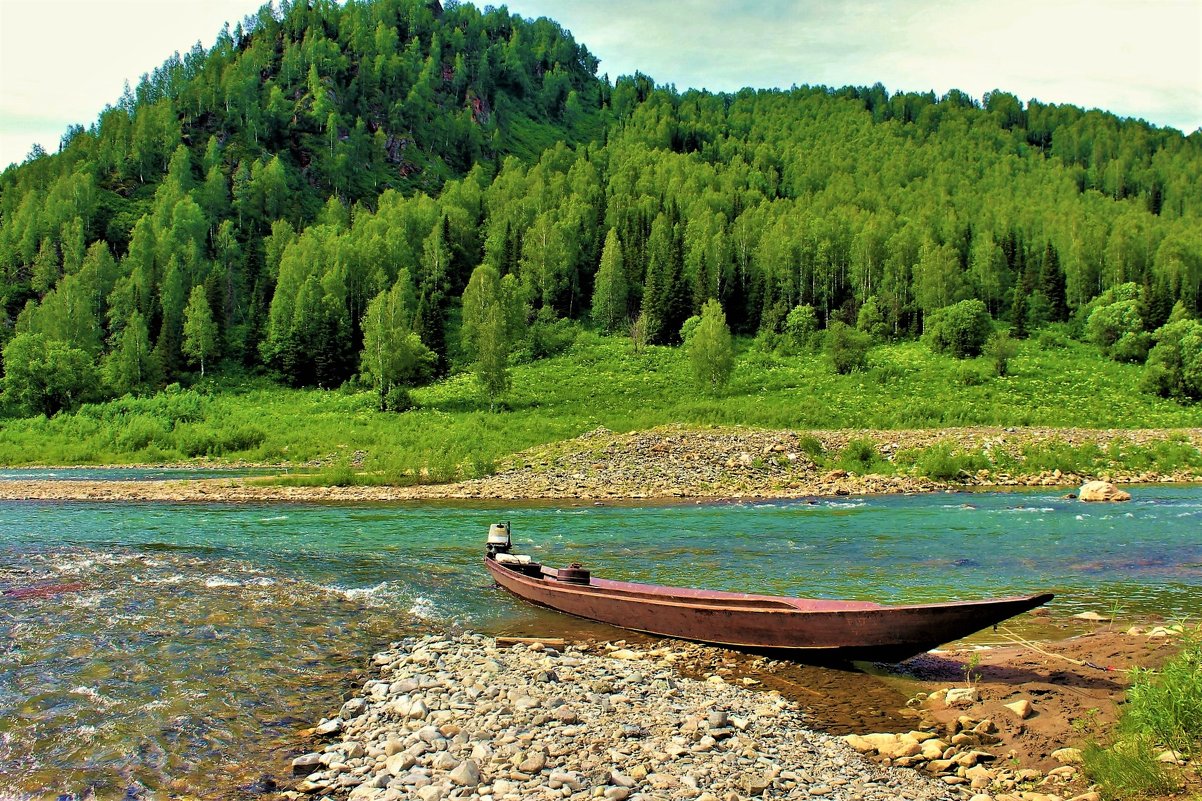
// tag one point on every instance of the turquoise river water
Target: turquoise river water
(187, 645)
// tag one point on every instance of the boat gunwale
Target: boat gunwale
(730, 601)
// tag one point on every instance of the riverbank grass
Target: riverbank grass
(1159, 734)
(601, 382)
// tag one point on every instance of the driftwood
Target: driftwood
(550, 642)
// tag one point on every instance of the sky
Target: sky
(63, 61)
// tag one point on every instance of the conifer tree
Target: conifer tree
(610, 293)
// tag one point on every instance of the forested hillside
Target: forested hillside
(389, 190)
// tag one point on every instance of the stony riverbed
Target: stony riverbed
(457, 717)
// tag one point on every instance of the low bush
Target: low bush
(847, 348)
(942, 462)
(959, 330)
(861, 456)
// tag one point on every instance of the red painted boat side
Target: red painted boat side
(835, 629)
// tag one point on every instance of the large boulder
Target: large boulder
(1102, 491)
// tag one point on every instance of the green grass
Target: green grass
(598, 381)
(1163, 712)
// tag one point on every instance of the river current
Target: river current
(158, 650)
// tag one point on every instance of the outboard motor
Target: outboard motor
(498, 539)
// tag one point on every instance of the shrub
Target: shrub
(860, 456)
(1174, 366)
(1167, 705)
(812, 447)
(1126, 768)
(942, 462)
(847, 348)
(1113, 315)
(968, 375)
(1132, 347)
(44, 376)
(689, 326)
(1163, 711)
(959, 330)
(141, 431)
(871, 320)
(398, 399)
(1050, 338)
(801, 326)
(1000, 349)
(711, 353)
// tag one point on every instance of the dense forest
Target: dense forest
(390, 190)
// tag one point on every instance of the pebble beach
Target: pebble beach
(458, 717)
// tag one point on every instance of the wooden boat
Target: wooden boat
(804, 628)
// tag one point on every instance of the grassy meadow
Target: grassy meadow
(601, 381)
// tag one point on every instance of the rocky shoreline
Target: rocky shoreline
(458, 717)
(672, 462)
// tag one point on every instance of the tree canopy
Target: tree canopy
(322, 154)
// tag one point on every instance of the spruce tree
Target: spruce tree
(610, 293)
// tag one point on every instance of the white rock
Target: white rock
(467, 774)
(961, 696)
(1102, 491)
(1067, 756)
(331, 726)
(1022, 708)
(1092, 617)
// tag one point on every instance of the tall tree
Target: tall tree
(200, 330)
(393, 355)
(492, 316)
(610, 294)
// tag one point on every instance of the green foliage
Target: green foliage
(492, 316)
(871, 320)
(610, 296)
(710, 349)
(960, 330)
(1115, 325)
(548, 336)
(393, 355)
(861, 456)
(1166, 705)
(1127, 769)
(1000, 349)
(1174, 367)
(200, 331)
(45, 376)
(847, 348)
(598, 381)
(297, 172)
(943, 462)
(969, 375)
(801, 326)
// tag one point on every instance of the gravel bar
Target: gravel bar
(450, 717)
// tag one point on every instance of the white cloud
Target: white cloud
(1140, 58)
(63, 61)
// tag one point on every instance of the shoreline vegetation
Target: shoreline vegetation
(708, 463)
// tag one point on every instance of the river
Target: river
(187, 645)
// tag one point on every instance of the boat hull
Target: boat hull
(813, 629)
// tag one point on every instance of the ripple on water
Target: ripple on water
(184, 668)
(200, 634)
